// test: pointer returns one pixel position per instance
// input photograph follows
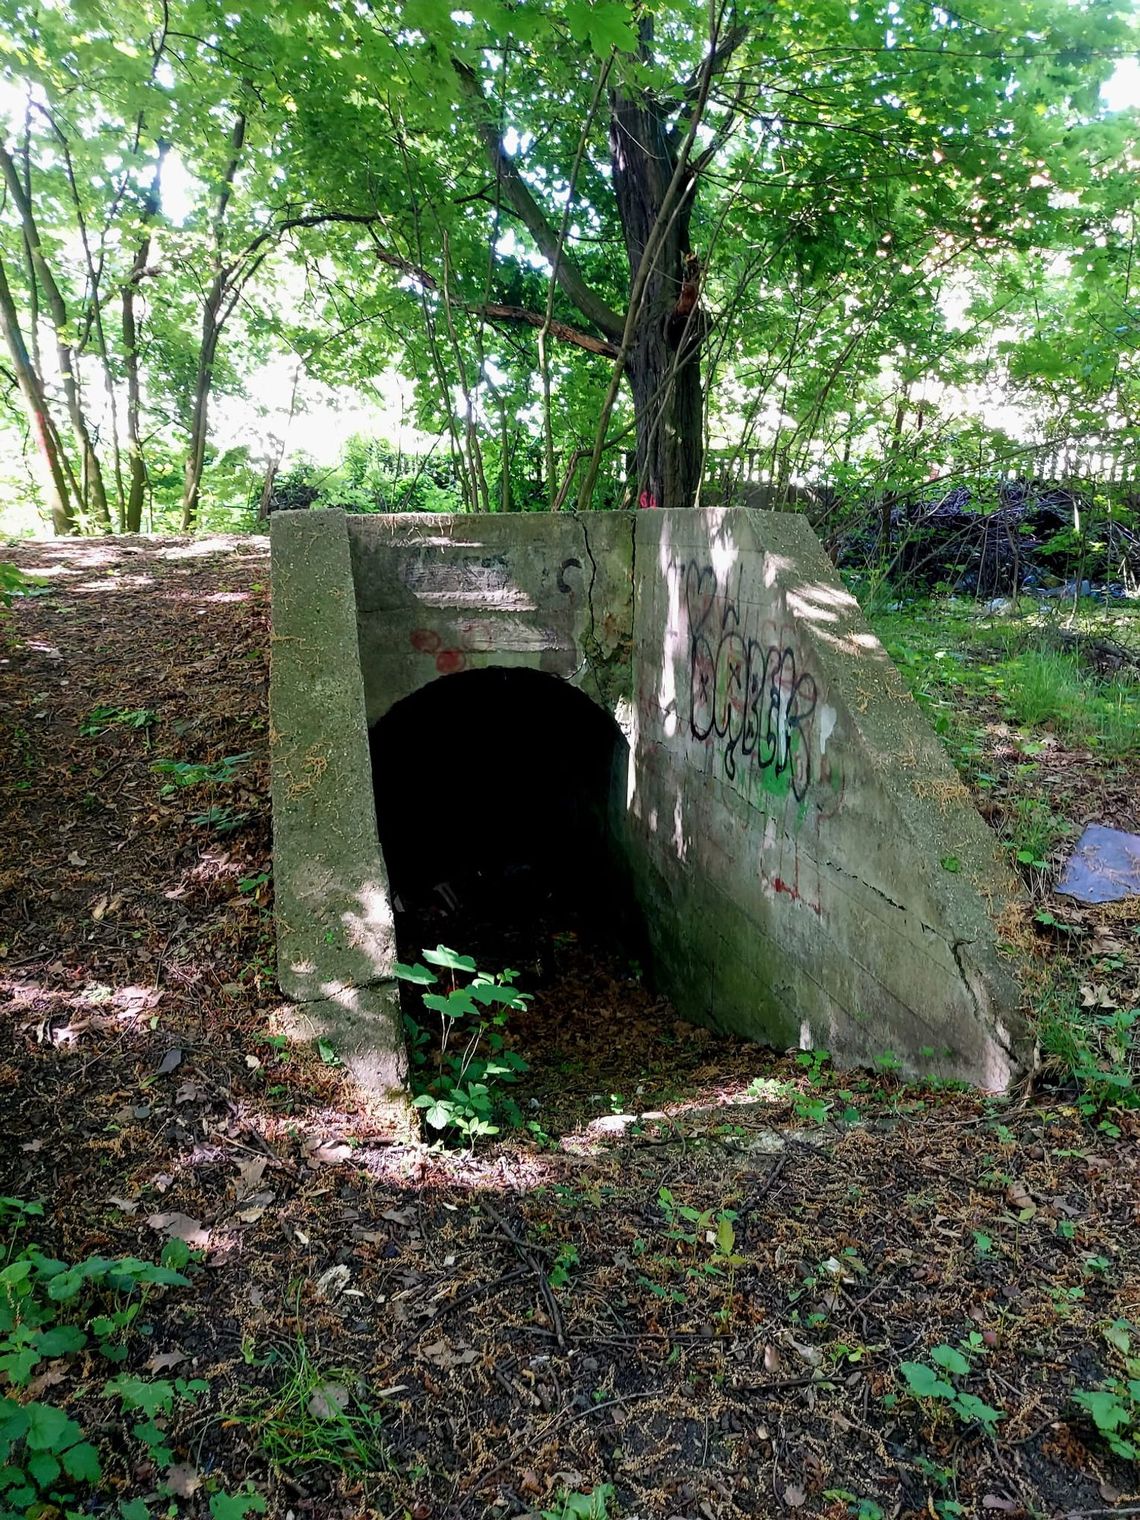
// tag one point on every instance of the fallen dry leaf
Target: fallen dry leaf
(441, 1355)
(161, 1361)
(254, 1206)
(328, 1154)
(170, 1060)
(183, 1479)
(180, 1227)
(328, 1400)
(250, 1174)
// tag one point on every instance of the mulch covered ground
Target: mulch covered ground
(706, 1311)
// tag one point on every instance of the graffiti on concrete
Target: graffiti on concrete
(447, 661)
(752, 696)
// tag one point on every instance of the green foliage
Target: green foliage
(457, 1089)
(317, 1417)
(714, 1228)
(50, 1310)
(13, 583)
(237, 1506)
(1115, 1405)
(185, 773)
(579, 1506)
(825, 282)
(1094, 1042)
(372, 477)
(925, 1383)
(100, 719)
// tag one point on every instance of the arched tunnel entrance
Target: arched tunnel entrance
(501, 805)
(500, 801)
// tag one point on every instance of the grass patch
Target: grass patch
(318, 1417)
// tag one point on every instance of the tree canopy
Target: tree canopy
(595, 235)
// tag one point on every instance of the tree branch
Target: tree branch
(524, 205)
(561, 330)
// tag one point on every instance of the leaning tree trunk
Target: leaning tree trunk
(35, 404)
(663, 366)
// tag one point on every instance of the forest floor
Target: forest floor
(800, 1292)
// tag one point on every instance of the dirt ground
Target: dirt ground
(707, 1311)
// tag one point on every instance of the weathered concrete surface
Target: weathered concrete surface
(335, 940)
(811, 869)
(436, 595)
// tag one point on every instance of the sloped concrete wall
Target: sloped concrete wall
(791, 813)
(335, 936)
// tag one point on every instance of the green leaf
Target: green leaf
(44, 1468)
(19, 1365)
(924, 1382)
(605, 24)
(442, 956)
(82, 1463)
(952, 864)
(236, 1506)
(725, 1235)
(13, 1419)
(1117, 1334)
(1106, 1408)
(64, 1340)
(49, 1428)
(140, 1393)
(418, 974)
(952, 1360)
(327, 1054)
(972, 1408)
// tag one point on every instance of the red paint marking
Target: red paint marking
(448, 661)
(781, 886)
(647, 501)
(426, 640)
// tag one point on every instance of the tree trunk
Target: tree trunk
(663, 367)
(31, 389)
(136, 491)
(199, 419)
(94, 493)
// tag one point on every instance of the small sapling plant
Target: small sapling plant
(455, 1086)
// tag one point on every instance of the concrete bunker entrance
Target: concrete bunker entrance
(820, 912)
(500, 804)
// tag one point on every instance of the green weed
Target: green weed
(935, 1384)
(1115, 1405)
(318, 1418)
(457, 1089)
(52, 1310)
(100, 719)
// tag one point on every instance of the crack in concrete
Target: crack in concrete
(590, 645)
(326, 996)
(829, 865)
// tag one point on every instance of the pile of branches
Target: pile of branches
(1036, 535)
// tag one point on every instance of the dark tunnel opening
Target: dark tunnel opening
(500, 803)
